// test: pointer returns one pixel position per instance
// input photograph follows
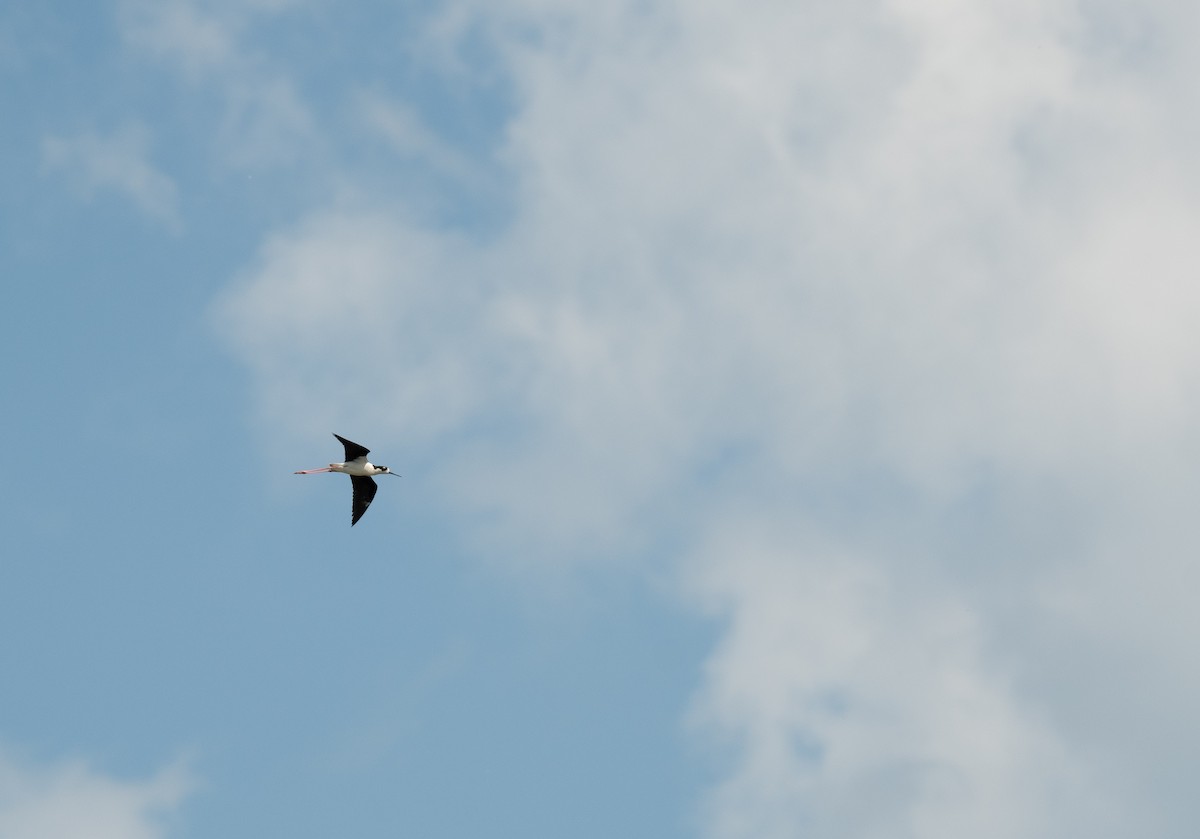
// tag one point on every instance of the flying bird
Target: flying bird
(360, 472)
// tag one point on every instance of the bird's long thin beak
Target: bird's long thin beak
(312, 471)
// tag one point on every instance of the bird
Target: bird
(360, 472)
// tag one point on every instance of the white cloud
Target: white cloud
(201, 37)
(905, 286)
(858, 702)
(118, 162)
(327, 302)
(73, 801)
(265, 123)
(406, 132)
(178, 31)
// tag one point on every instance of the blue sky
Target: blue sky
(795, 404)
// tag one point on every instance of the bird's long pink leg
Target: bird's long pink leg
(312, 471)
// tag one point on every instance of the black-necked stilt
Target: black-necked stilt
(360, 472)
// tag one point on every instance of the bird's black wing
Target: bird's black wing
(353, 450)
(364, 493)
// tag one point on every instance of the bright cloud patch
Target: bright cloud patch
(73, 801)
(858, 703)
(118, 162)
(903, 284)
